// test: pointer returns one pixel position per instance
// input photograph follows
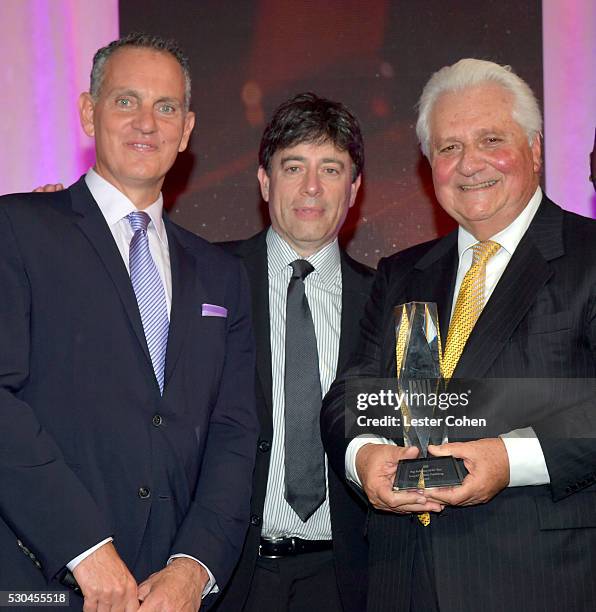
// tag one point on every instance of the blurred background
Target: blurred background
(248, 56)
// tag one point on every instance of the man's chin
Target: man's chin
(308, 243)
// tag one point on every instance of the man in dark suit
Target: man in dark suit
(127, 368)
(311, 159)
(519, 533)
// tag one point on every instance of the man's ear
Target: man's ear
(536, 148)
(354, 190)
(189, 123)
(264, 182)
(86, 112)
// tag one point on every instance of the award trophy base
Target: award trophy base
(436, 471)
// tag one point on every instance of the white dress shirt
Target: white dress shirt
(526, 460)
(323, 288)
(115, 207)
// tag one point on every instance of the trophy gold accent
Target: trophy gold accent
(420, 382)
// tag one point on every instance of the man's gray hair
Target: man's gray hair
(139, 40)
(468, 73)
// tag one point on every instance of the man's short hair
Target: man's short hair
(144, 41)
(469, 73)
(307, 118)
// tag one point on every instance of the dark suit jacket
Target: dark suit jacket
(529, 548)
(347, 512)
(79, 399)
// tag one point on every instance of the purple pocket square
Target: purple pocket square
(212, 310)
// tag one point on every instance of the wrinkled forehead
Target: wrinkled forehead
(487, 106)
(143, 67)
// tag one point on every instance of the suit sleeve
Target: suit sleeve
(568, 437)
(214, 528)
(41, 499)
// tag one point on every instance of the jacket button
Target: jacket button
(144, 492)
(157, 420)
(255, 520)
(264, 446)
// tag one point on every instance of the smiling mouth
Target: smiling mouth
(141, 146)
(308, 212)
(484, 185)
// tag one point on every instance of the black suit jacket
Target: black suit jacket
(529, 548)
(347, 511)
(79, 401)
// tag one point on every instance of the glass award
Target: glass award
(420, 384)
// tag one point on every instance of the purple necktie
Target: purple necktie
(150, 294)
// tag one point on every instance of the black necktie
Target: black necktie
(304, 456)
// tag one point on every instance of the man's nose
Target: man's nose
(470, 161)
(145, 120)
(312, 183)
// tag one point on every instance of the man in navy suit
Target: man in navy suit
(519, 533)
(127, 367)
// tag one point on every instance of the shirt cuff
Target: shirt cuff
(72, 564)
(527, 466)
(353, 447)
(211, 586)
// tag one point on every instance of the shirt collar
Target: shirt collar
(326, 261)
(509, 237)
(114, 205)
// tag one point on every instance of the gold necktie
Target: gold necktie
(423, 517)
(469, 305)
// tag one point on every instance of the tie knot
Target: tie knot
(138, 220)
(483, 251)
(301, 268)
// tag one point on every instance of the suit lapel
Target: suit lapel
(187, 297)
(95, 228)
(355, 291)
(515, 293)
(254, 255)
(434, 279)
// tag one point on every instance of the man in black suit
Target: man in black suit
(127, 369)
(519, 533)
(311, 159)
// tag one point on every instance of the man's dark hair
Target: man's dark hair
(139, 40)
(306, 118)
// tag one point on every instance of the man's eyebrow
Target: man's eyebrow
(478, 133)
(169, 100)
(491, 130)
(332, 160)
(125, 92)
(301, 158)
(288, 158)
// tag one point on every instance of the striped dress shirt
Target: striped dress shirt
(323, 290)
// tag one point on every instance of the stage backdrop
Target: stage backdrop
(47, 47)
(375, 56)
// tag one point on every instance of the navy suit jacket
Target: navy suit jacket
(348, 513)
(530, 548)
(89, 448)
